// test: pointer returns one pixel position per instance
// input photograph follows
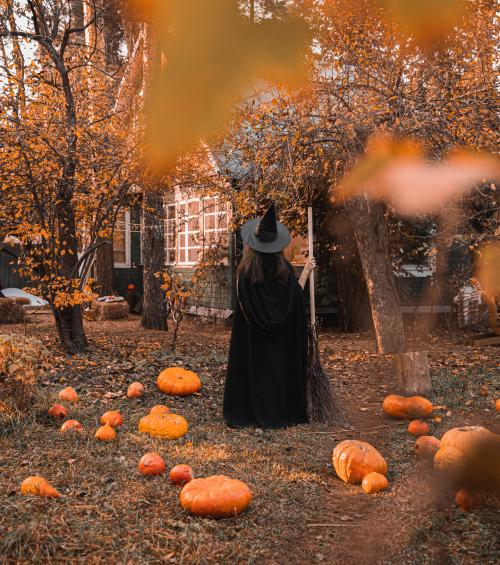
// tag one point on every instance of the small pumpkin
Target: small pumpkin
(374, 482)
(407, 408)
(449, 460)
(426, 447)
(177, 381)
(151, 464)
(169, 426)
(353, 460)
(71, 426)
(105, 433)
(181, 474)
(58, 412)
(135, 390)
(113, 418)
(38, 486)
(464, 438)
(68, 394)
(216, 497)
(159, 409)
(467, 500)
(418, 428)
(497, 404)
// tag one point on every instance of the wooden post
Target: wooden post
(412, 372)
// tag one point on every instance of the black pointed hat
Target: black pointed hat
(266, 235)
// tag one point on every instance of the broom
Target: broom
(321, 401)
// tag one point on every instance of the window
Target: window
(199, 224)
(170, 234)
(121, 239)
(189, 232)
(214, 222)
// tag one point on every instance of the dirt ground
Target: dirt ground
(301, 512)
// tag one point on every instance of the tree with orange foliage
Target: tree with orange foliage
(65, 168)
(373, 72)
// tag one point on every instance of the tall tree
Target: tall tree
(55, 134)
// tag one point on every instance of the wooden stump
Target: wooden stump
(412, 372)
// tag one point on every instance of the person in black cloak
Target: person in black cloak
(267, 366)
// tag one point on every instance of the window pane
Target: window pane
(193, 255)
(194, 208)
(209, 221)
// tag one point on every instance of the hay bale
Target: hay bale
(101, 311)
(22, 301)
(11, 312)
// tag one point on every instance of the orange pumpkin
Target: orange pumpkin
(464, 438)
(353, 460)
(418, 428)
(449, 460)
(181, 474)
(497, 404)
(113, 418)
(151, 464)
(216, 497)
(105, 433)
(135, 390)
(177, 381)
(38, 486)
(68, 394)
(427, 446)
(374, 482)
(58, 412)
(72, 425)
(159, 409)
(467, 500)
(169, 426)
(407, 408)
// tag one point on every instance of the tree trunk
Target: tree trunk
(69, 323)
(371, 237)
(412, 372)
(104, 270)
(154, 310)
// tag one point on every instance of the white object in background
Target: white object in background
(18, 293)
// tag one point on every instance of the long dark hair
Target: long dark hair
(251, 265)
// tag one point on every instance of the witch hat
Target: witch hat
(266, 234)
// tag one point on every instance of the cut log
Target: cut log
(412, 372)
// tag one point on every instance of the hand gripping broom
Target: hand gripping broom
(321, 401)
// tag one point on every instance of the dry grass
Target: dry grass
(111, 514)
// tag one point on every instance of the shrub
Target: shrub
(21, 359)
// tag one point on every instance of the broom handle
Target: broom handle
(311, 254)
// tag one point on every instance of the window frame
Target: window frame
(127, 263)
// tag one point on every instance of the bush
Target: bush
(21, 359)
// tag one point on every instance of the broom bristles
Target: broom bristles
(322, 405)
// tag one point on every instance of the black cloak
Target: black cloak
(267, 366)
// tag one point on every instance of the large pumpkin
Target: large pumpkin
(449, 460)
(407, 407)
(169, 426)
(217, 497)
(177, 381)
(113, 418)
(465, 438)
(353, 460)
